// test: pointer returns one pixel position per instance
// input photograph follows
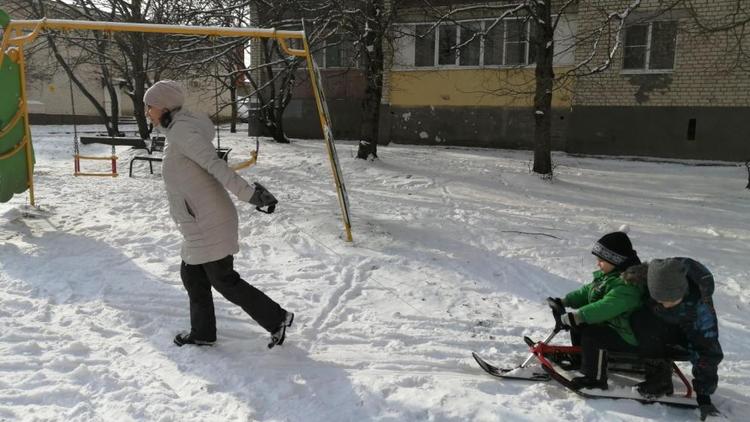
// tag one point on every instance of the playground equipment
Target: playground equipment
(16, 167)
(16, 151)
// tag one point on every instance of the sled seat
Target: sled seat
(675, 353)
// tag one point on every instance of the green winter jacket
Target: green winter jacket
(608, 299)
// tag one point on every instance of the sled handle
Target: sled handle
(545, 341)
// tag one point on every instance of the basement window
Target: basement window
(691, 129)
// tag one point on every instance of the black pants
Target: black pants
(595, 340)
(198, 280)
(655, 335)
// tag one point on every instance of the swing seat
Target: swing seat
(132, 141)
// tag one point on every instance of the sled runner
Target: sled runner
(626, 370)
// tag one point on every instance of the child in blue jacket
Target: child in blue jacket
(679, 311)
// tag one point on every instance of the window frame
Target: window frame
(646, 69)
(345, 56)
(483, 24)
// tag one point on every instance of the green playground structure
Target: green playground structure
(16, 152)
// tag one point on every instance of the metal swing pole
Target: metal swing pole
(216, 93)
(76, 148)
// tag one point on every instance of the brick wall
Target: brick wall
(705, 71)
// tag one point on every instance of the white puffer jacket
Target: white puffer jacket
(197, 180)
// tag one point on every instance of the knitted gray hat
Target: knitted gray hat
(165, 94)
(667, 280)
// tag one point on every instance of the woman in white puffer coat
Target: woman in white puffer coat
(197, 181)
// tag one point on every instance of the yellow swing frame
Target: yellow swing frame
(282, 37)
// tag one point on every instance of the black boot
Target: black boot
(278, 336)
(188, 338)
(594, 372)
(658, 378)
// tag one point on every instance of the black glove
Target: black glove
(706, 407)
(555, 303)
(558, 310)
(263, 198)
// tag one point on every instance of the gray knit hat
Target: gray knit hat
(165, 94)
(667, 280)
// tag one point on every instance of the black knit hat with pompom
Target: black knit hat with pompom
(616, 249)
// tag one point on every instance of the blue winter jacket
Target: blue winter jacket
(696, 317)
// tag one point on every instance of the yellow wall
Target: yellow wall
(468, 87)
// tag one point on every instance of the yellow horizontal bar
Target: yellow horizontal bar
(64, 24)
(96, 174)
(84, 157)
(31, 36)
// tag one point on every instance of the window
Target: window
(468, 54)
(494, 44)
(339, 52)
(650, 46)
(424, 53)
(516, 42)
(447, 37)
(506, 43)
(334, 52)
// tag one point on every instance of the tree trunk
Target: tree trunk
(278, 126)
(114, 104)
(69, 70)
(233, 104)
(372, 53)
(140, 80)
(139, 110)
(544, 42)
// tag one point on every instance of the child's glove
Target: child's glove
(558, 310)
(263, 198)
(556, 304)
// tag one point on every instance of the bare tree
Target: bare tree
(544, 17)
(221, 59)
(89, 51)
(367, 24)
(129, 62)
(733, 26)
(274, 75)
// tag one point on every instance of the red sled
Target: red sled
(625, 371)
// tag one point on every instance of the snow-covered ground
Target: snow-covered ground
(454, 251)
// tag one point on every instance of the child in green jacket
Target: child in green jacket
(600, 320)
